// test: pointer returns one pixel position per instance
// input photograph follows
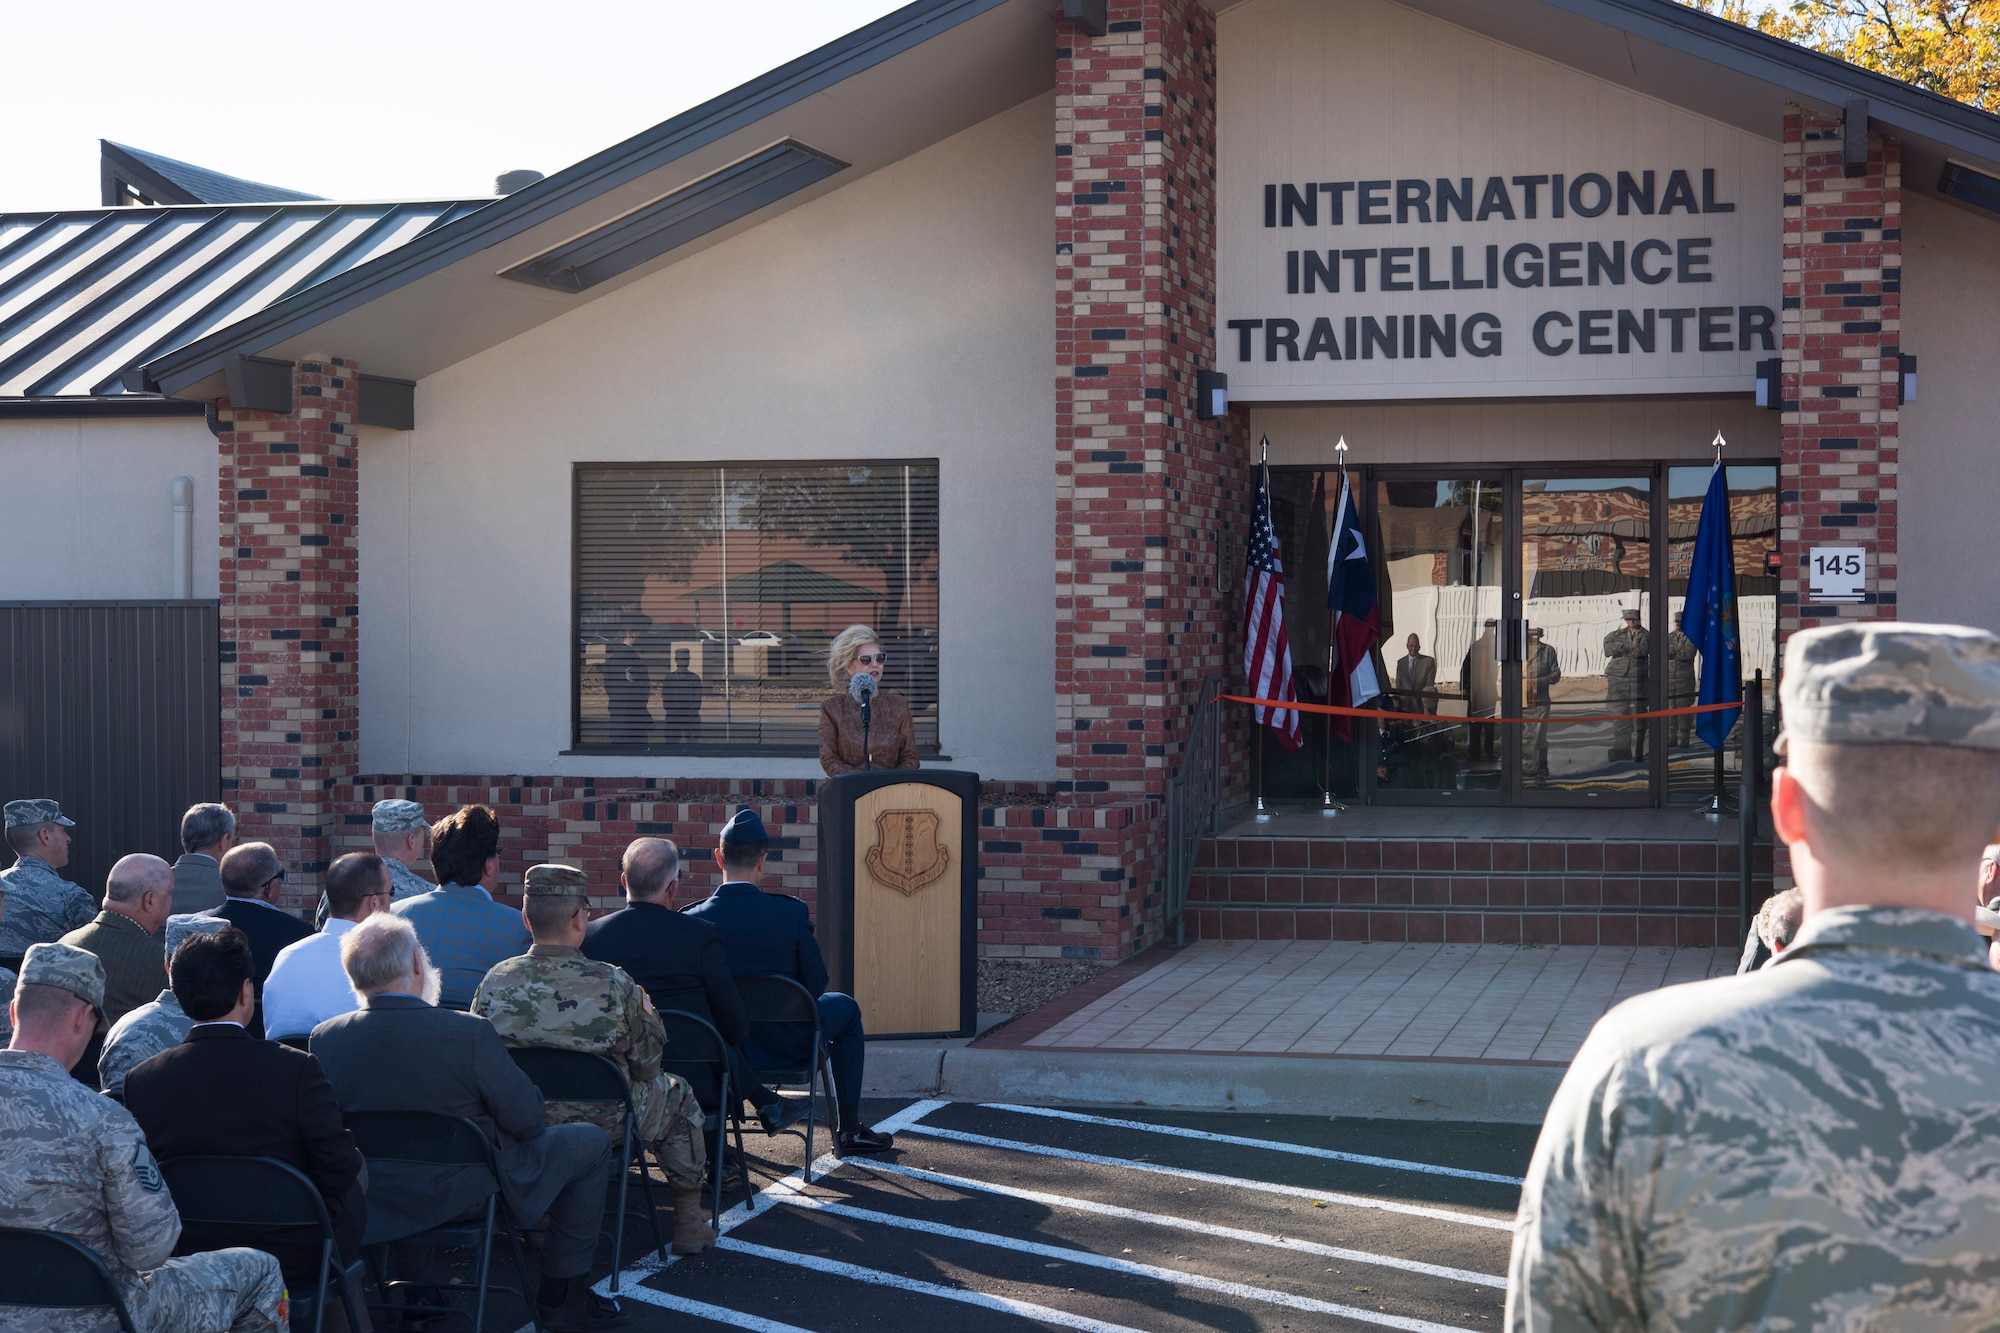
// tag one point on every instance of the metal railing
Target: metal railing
(1194, 799)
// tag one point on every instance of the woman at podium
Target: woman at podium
(863, 726)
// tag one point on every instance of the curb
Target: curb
(1285, 1085)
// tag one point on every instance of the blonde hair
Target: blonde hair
(846, 644)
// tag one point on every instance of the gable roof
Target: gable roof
(166, 180)
(86, 295)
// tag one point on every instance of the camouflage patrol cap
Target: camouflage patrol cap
(69, 968)
(184, 926)
(1893, 682)
(36, 810)
(552, 879)
(1630, 613)
(397, 816)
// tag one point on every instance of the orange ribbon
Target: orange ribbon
(1334, 710)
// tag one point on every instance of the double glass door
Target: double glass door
(1518, 598)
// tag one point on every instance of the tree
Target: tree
(1949, 47)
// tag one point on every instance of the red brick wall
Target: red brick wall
(1141, 485)
(1842, 326)
(289, 592)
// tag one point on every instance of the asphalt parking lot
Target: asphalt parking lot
(995, 1217)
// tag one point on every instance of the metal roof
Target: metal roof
(786, 581)
(87, 295)
(168, 180)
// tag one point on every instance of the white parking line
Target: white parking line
(703, 1310)
(873, 1277)
(1237, 1140)
(1211, 1178)
(1087, 1259)
(1072, 1204)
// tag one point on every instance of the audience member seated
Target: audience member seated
(253, 877)
(125, 936)
(157, 1026)
(208, 831)
(555, 998)
(680, 962)
(7, 980)
(402, 838)
(399, 1052)
(1776, 922)
(765, 933)
(223, 1093)
(464, 931)
(44, 905)
(307, 984)
(75, 1162)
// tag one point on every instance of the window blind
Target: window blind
(707, 595)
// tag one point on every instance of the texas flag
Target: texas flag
(1350, 595)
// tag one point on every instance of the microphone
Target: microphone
(862, 687)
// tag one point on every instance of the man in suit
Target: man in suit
(222, 1093)
(399, 1052)
(253, 877)
(1417, 678)
(681, 964)
(125, 935)
(773, 933)
(208, 831)
(464, 931)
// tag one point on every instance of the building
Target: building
(910, 330)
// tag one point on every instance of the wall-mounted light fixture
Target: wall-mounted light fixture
(1906, 379)
(1211, 394)
(1770, 384)
(1093, 16)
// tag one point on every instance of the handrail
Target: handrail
(1193, 799)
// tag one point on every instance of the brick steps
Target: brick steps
(1482, 891)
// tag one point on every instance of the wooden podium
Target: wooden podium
(899, 897)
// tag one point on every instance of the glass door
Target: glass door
(1444, 548)
(1578, 640)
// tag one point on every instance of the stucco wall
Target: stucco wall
(1951, 434)
(907, 315)
(89, 513)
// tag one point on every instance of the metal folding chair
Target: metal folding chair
(785, 1009)
(441, 1140)
(47, 1270)
(585, 1076)
(696, 1051)
(249, 1198)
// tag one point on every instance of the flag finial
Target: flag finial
(1264, 450)
(1720, 445)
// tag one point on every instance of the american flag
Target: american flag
(1267, 654)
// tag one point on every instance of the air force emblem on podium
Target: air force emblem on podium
(907, 855)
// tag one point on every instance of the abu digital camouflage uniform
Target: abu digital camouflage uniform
(1682, 687)
(405, 882)
(554, 997)
(42, 906)
(76, 1163)
(6, 1013)
(1628, 661)
(1815, 1144)
(139, 1036)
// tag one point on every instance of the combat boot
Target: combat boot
(692, 1235)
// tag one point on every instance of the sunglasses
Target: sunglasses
(870, 659)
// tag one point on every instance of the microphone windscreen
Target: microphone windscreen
(861, 686)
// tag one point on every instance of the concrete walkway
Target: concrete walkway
(1443, 1031)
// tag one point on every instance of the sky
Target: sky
(371, 99)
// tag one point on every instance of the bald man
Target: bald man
(125, 935)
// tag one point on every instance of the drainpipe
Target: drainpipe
(183, 538)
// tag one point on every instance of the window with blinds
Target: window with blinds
(707, 596)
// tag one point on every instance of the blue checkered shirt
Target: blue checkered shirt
(465, 932)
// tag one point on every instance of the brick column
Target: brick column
(1141, 485)
(290, 604)
(1842, 330)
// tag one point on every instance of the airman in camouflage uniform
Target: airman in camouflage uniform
(1811, 1144)
(553, 997)
(42, 906)
(76, 1163)
(7, 980)
(1628, 660)
(392, 821)
(1682, 687)
(155, 1027)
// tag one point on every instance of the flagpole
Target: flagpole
(1263, 486)
(1328, 807)
(1714, 807)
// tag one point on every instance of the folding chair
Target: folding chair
(49, 1271)
(12, 962)
(694, 1049)
(585, 1076)
(248, 1198)
(783, 1007)
(441, 1140)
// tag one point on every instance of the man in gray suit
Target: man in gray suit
(207, 831)
(1417, 678)
(400, 1052)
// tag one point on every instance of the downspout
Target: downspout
(183, 538)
